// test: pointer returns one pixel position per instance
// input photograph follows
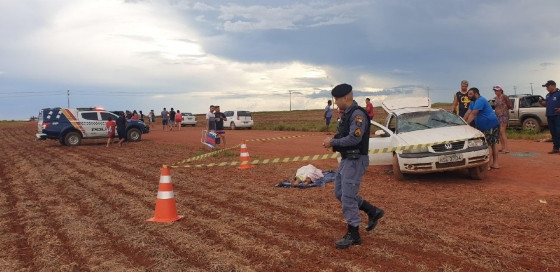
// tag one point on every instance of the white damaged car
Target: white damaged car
(419, 139)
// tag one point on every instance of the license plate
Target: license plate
(245, 122)
(450, 158)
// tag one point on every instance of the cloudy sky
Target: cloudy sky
(266, 55)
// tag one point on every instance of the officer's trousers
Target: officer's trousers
(347, 185)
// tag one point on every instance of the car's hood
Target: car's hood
(436, 135)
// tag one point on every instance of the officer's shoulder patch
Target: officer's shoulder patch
(358, 132)
(359, 118)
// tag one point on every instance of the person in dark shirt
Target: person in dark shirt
(552, 103)
(220, 117)
(121, 128)
(352, 141)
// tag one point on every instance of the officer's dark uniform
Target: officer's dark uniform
(352, 141)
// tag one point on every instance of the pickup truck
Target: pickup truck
(527, 113)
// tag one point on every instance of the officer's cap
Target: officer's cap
(341, 90)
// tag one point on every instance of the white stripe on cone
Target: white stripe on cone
(165, 195)
(165, 179)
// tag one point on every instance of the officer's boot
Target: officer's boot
(352, 237)
(374, 214)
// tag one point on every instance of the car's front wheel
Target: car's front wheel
(134, 135)
(72, 138)
(479, 172)
(232, 126)
(396, 168)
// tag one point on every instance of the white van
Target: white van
(238, 119)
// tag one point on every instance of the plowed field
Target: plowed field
(85, 208)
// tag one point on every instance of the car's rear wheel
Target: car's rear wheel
(531, 124)
(73, 138)
(479, 172)
(134, 135)
(232, 126)
(396, 168)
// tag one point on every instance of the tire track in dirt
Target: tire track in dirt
(56, 244)
(255, 217)
(211, 223)
(131, 171)
(104, 191)
(13, 228)
(61, 187)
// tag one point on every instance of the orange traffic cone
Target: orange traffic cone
(244, 157)
(166, 210)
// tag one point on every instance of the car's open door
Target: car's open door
(380, 138)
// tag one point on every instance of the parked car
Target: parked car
(238, 119)
(70, 125)
(188, 119)
(427, 140)
(527, 112)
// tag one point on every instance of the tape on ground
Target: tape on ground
(314, 157)
(205, 155)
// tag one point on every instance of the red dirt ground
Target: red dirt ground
(85, 208)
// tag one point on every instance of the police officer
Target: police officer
(352, 141)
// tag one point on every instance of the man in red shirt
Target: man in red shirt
(369, 108)
(111, 127)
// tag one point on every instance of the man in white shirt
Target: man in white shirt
(211, 117)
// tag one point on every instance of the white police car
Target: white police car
(70, 125)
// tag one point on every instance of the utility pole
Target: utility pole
(68, 94)
(428, 91)
(290, 91)
(531, 88)
(515, 89)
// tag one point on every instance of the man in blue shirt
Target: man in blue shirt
(328, 115)
(485, 120)
(552, 104)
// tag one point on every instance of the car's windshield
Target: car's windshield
(413, 121)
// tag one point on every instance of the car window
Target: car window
(186, 114)
(228, 113)
(244, 113)
(89, 115)
(105, 116)
(524, 102)
(427, 119)
(374, 128)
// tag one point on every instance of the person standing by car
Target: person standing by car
(152, 118)
(164, 118)
(220, 118)
(328, 115)
(352, 141)
(211, 119)
(502, 105)
(178, 119)
(552, 103)
(461, 100)
(134, 115)
(121, 128)
(111, 127)
(486, 121)
(369, 108)
(171, 119)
